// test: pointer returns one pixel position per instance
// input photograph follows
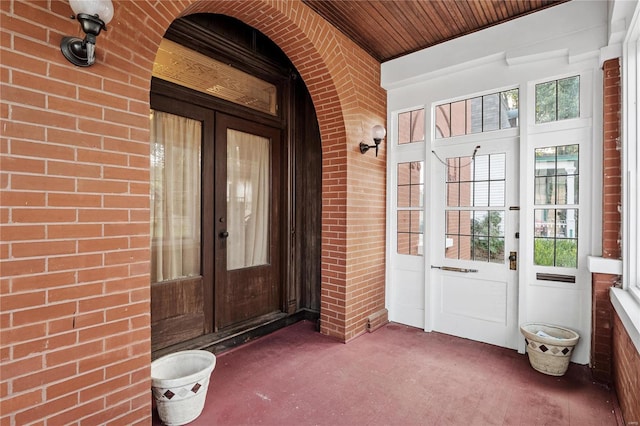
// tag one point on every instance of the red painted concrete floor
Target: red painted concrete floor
(397, 375)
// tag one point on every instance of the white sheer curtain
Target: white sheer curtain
(248, 179)
(175, 196)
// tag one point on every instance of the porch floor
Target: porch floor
(397, 375)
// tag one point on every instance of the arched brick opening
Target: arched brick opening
(342, 81)
(75, 198)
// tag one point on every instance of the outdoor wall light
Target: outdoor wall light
(93, 15)
(378, 133)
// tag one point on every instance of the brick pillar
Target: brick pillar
(602, 311)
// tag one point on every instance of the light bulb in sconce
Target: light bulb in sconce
(378, 133)
(93, 15)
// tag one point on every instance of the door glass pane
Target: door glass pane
(248, 183)
(473, 234)
(175, 196)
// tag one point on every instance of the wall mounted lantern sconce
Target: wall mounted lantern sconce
(378, 133)
(93, 15)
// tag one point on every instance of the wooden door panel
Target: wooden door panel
(177, 312)
(246, 293)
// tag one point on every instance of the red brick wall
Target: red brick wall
(626, 373)
(614, 357)
(602, 311)
(75, 207)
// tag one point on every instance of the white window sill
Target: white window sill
(628, 310)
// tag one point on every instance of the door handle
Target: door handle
(513, 260)
(223, 234)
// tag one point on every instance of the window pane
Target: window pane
(465, 247)
(496, 250)
(497, 166)
(481, 249)
(567, 223)
(545, 161)
(404, 173)
(568, 159)
(417, 125)
(443, 121)
(458, 118)
(481, 223)
(404, 128)
(451, 246)
(453, 194)
(404, 196)
(545, 190)
(466, 222)
(465, 194)
(403, 243)
(481, 168)
(569, 98)
(248, 179)
(403, 221)
(546, 102)
(452, 222)
(509, 109)
(474, 115)
(496, 193)
(416, 195)
(481, 194)
(567, 189)
(544, 252)
(415, 241)
(567, 253)
(416, 221)
(491, 112)
(545, 222)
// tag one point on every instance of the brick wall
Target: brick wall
(614, 357)
(75, 206)
(602, 311)
(626, 373)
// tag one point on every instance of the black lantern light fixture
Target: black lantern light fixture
(378, 133)
(93, 15)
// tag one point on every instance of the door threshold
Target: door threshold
(239, 334)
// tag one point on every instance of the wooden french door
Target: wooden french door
(246, 220)
(216, 212)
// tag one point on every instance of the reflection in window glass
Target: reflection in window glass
(556, 185)
(410, 190)
(556, 237)
(490, 112)
(472, 234)
(558, 100)
(557, 175)
(443, 121)
(411, 126)
(475, 115)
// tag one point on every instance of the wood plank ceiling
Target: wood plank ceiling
(388, 29)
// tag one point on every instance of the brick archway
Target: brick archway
(344, 84)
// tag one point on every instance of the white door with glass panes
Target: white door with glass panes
(474, 218)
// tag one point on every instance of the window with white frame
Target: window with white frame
(631, 160)
(410, 186)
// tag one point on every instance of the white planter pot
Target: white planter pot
(179, 383)
(549, 347)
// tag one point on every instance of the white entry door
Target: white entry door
(475, 216)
